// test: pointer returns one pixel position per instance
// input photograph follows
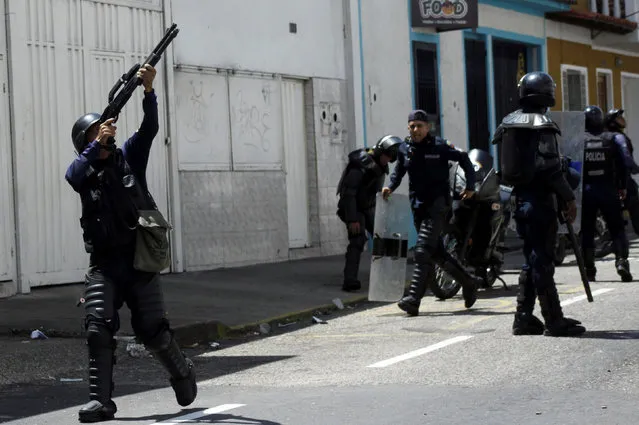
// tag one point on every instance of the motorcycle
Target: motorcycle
(475, 226)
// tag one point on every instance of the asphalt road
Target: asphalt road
(374, 365)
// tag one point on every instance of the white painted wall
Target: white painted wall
(509, 20)
(254, 35)
(605, 41)
(387, 74)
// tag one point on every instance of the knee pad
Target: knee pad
(100, 334)
(423, 253)
(156, 337)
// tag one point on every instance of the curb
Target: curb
(205, 332)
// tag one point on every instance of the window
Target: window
(604, 89)
(574, 82)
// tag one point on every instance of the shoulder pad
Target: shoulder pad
(499, 132)
(519, 119)
(361, 159)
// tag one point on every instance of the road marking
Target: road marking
(421, 351)
(583, 297)
(196, 415)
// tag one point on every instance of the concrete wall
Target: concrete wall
(254, 35)
(234, 218)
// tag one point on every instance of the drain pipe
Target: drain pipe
(21, 286)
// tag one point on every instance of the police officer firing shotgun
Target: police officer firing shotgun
(531, 163)
(112, 185)
(425, 159)
(361, 180)
(605, 178)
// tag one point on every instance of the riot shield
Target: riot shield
(393, 219)
(573, 128)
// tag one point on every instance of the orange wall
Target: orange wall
(569, 53)
(581, 5)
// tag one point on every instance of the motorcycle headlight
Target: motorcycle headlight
(495, 206)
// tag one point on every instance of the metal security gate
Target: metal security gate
(62, 68)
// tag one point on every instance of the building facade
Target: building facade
(593, 55)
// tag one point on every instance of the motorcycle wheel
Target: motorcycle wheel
(560, 251)
(444, 286)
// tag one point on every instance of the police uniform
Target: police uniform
(531, 163)
(631, 203)
(604, 176)
(427, 164)
(111, 191)
(358, 187)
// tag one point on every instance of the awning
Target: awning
(595, 21)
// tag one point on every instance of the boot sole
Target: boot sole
(625, 276)
(411, 310)
(519, 332)
(564, 334)
(92, 417)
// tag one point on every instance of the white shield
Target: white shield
(393, 219)
(571, 144)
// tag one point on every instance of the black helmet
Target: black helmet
(388, 145)
(594, 119)
(537, 89)
(78, 133)
(610, 120)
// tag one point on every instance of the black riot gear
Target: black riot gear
(388, 145)
(600, 160)
(594, 119)
(537, 89)
(611, 120)
(79, 131)
(361, 180)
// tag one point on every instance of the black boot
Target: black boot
(180, 368)
(589, 261)
(556, 323)
(623, 269)
(101, 361)
(351, 268)
(469, 282)
(421, 274)
(525, 322)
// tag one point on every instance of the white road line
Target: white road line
(421, 351)
(195, 415)
(583, 297)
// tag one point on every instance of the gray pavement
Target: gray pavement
(450, 365)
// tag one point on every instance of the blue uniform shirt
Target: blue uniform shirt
(428, 170)
(622, 143)
(135, 150)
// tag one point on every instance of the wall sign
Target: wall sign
(445, 14)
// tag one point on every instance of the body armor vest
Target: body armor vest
(599, 163)
(110, 204)
(371, 183)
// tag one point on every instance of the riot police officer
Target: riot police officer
(615, 122)
(425, 159)
(604, 179)
(530, 162)
(361, 180)
(112, 185)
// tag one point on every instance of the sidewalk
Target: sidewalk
(202, 306)
(205, 306)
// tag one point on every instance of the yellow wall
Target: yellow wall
(569, 53)
(582, 5)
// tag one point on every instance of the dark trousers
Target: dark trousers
(430, 222)
(356, 244)
(604, 198)
(111, 282)
(536, 219)
(631, 203)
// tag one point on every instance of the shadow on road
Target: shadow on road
(615, 334)
(210, 419)
(132, 377)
